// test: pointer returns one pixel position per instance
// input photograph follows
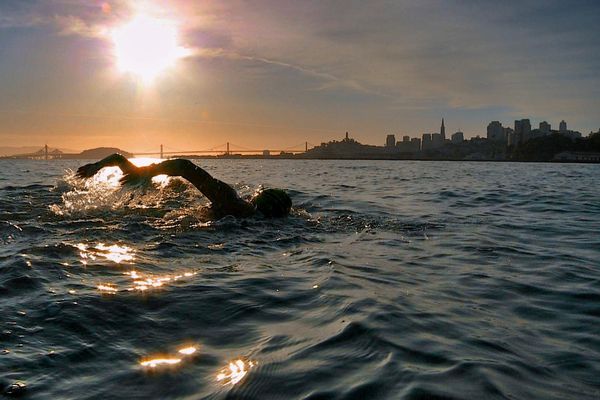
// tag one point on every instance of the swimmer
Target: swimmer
(224, 199)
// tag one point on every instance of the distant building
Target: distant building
(511, 139)
(426, 143)
(508, 131)
(443, 131)
(390, 141)
(437, 140)
(408, 146)
(562, 127)
(522, 130)
(563, 131)
(346, 148)
(415, 145)
(545, 128)
(495, 131)
(458, 137)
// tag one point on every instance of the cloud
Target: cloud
(72, 25)
(459, 55)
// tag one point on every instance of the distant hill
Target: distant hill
(15, 150)
(100, 152)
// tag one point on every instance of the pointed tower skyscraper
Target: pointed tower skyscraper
(443, 130)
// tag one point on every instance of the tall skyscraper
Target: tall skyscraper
(443, 131)
(526, 129)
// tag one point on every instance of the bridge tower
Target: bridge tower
(46, 152)
(227, 148)
(161, 152)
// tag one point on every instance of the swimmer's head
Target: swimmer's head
(272, 203)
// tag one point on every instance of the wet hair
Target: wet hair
(273, 203)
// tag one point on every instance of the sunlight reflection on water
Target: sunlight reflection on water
(187, 350)
(166, 361)
(115, 253)
(107, 288)
(234, 372)
(157, 362)
(142, 282)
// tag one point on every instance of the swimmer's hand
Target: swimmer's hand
(88, 170)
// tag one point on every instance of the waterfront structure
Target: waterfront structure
(458, 137)
(495, 131)
(579, 156)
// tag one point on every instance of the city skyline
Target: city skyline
(274, 74)
(495, 131)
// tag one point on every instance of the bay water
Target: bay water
(390, 280)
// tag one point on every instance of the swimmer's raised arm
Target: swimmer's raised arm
(224, 198)
(218, 192)
(114, 160)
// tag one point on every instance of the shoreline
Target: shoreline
(287, 157)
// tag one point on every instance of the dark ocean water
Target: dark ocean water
(391, 280)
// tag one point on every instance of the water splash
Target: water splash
(103, 195)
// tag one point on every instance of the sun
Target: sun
(146, 46)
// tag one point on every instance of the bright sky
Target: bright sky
(276, 73)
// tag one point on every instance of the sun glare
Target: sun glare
(146, 47)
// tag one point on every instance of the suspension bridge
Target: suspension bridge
(224, 150)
